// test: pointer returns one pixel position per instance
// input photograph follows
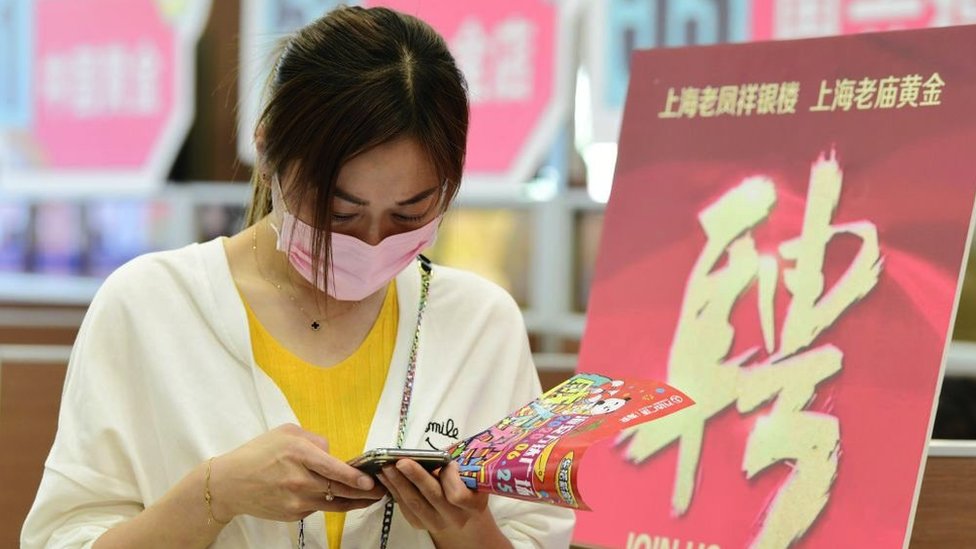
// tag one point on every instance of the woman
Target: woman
(194, 368)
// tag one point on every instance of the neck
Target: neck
(275, 267)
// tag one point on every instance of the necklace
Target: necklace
(314, 323)
(407, 396)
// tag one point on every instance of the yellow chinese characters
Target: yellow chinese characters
(781, 372)
(890, 92)
(776, 98)
(731, 100)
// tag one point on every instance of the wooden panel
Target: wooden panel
(32, 335)
(946, 516)
(29, 399)
(36, 324)
(551, 378)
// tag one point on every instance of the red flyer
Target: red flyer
(784, 243)
(536, 452)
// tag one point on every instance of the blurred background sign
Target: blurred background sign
(782, 19)
(264, 23)
(615, 28)
(515, 55)
(15, 41)
(621, 26)
(515, 64)
(112, 92)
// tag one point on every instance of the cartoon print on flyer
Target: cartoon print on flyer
(535, 452)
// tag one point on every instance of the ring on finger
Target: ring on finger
(328, 491)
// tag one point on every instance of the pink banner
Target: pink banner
(104, 81)
(506, 49)
(112, 95)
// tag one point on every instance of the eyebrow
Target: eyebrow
(339, 193)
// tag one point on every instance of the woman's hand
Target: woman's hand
(286, 474)
(442, 505)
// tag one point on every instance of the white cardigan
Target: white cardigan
(162, 377)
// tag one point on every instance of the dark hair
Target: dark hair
(347, 82)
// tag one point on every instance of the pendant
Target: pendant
(315, 325)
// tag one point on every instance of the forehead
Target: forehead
(394, 170)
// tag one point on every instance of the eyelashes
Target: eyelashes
(410, 218)
(345, 218)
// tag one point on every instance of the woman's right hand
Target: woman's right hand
(285, 475)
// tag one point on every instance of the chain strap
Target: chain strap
(425, 274)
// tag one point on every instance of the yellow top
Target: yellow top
(337, 402)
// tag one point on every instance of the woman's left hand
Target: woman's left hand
(442, 505)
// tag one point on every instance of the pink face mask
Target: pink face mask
(358, 269)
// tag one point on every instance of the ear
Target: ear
(260, 140)
(260, 166)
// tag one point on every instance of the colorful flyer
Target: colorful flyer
(535, 453)
(784, 242)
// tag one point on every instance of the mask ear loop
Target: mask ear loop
(277, 195)
(279, 208)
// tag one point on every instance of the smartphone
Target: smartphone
(372, 461)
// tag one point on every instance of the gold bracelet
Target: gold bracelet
(208, 498)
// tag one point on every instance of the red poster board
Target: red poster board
(784, 244)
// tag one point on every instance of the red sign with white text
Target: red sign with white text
(507, 50)
(783, 244)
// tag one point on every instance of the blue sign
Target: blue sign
(16, 39)
(642, 24)
(263, 24)
(284, 16)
